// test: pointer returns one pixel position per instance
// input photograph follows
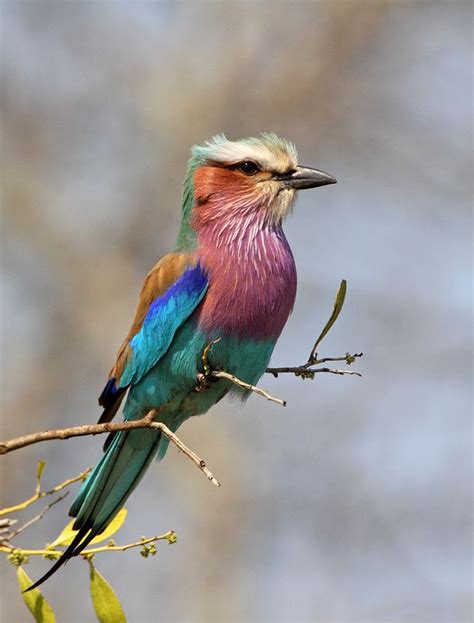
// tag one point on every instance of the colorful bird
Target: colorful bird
(231, 276)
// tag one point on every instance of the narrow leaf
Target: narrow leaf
(338, 303)
(107, 606)
(36, 603)
(67, 534)
(39, 474)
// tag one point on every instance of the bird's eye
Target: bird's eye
(248, 167)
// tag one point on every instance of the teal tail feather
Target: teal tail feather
(107, 488)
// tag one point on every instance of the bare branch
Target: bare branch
(99, 429)
(38, 493)
(82, 476)
(38, 517)
(257, 390)
(307, 371)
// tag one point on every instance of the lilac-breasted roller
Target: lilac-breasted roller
(231, 276)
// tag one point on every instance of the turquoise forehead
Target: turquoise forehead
(270, 151)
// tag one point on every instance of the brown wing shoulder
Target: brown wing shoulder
(166, 272)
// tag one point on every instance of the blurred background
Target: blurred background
(353, 504)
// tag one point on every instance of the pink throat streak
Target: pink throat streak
(252, 275)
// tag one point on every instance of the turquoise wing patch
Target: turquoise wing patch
(164, 317)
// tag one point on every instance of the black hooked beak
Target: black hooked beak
(304, 177)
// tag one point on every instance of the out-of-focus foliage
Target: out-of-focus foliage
(67, 534)
(105, 602)
(34, 600)
(107, 607)
(353, 504)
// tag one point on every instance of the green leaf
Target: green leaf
(39, 474)
(338, 303)
(67, 534)
(107, 606)
(36, 603)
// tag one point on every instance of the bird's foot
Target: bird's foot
(204, 382)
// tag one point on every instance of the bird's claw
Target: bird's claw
(204, 382)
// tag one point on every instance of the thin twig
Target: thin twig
(169, 536)
(347, 358)
(257, 390)
(5, 525)
(336, 371)
(38, 517)
(55, 553)
(307, 370)
(187, 451)
(70, 481)
(38, 493)
(98, 429)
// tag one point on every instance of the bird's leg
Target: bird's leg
(206, 378)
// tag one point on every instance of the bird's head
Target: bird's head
(255, 179)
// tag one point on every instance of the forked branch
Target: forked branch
(107, 427)
(307, 370)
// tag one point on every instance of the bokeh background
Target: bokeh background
(353, 504)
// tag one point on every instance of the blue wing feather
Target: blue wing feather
(164, 317)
